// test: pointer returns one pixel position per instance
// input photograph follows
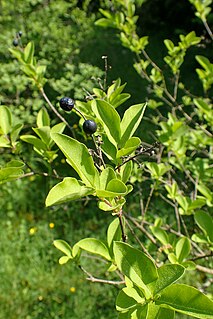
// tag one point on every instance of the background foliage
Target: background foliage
(71, 46)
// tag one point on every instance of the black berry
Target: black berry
(66, 103)
(15, 42)
(89, 127)
(20, 33)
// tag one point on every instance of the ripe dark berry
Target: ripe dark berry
(89, 127)
(15, 42)
(20, 33)
(66, 103)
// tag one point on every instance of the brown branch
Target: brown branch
(91, 278)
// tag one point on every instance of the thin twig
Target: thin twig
(103, 281)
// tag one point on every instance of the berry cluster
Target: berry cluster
(17, 38)
(67, 104)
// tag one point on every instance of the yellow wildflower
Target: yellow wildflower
(72, 289)
(51, 225)
(32, 230)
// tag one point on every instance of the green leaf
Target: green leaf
(160, 234)
(128, 298)
(15, 132)
(109, 119)
(130, 146)
(5, 119)
(130, 122)
(135, 265)
(125, 171)
(36, 142)
(156, 312)
(168, 274)
(44, 134)
(94, 246)
(8, 174)
(15, 163)
(29, 53)
(111, 204)
(68, 189)
(63, 260)
(113, 233)
(182, 248)
(106, 176)
(187, 300)
(78, 157)
(43, 118)
(63, 246)
(114, 188)
(205, 222)
(109, 149)
(106, 23)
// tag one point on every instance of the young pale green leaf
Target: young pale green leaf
(125, 171)
(5, 119)
(15, 163)
(43, 118)
(187, 300)
(127, 299)
(182, 248)
(109, 149)
(8, 174)
(106, 176)
(205, 222)
(29, 53)
(63, 260)
(94, 246)
(63, 246)
(160, 234)
(114, 188)
(113, 204)
(135, 265)
(113, 233)
(109, 119)
(67, 190)
(78, 157)
(168, 274)
(15, 132)
(130, 146)
(156, 312)
(44, 134)
(130, 122)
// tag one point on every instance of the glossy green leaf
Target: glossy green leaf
(5, 119)
(109, 118)
(135, 265)
(112, 204)
(78, 157)
(168, 274)
(94, 246)
(182, 248)
(43, 118)
(130, 146)
(63, 246)
(130, 122)
(15, 163)
(205, 222)
(113, 233)
(67, 190)
(188, 300)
